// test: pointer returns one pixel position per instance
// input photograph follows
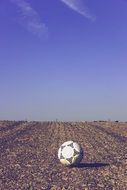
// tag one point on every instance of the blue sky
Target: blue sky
(64, 59)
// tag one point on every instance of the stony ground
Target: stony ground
(28, 156)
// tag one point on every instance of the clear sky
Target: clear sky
(64, 59)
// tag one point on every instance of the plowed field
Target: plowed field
(28, 156)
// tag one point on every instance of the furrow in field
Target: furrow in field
(7, 139)
(116, 147)
(82, 136)
(118, 129)
(105, 145)
(30, 159)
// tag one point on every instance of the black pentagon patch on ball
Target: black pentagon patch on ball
(61, 156)
(71, 145)
(62, 147)
(75, 152)
(69, 159)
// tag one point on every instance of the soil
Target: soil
(28, 156)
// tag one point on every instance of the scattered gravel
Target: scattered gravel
(28, 156)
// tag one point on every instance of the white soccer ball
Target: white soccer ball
(70, 153)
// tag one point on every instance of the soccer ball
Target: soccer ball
(70, 153)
